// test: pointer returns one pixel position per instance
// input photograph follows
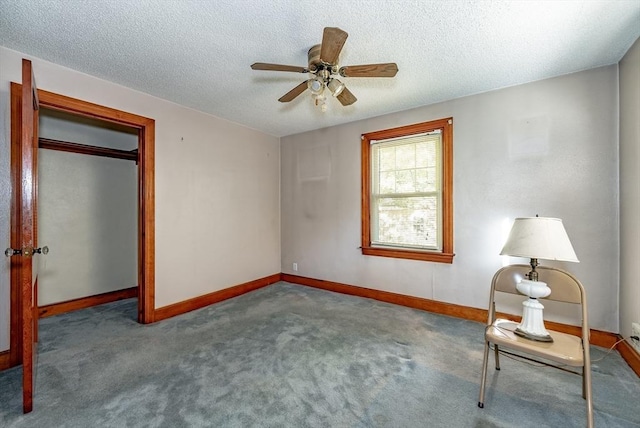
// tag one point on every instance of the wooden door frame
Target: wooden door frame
(146, 198)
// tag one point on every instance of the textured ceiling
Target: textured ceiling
(198, 53)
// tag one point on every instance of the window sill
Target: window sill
(409, 254)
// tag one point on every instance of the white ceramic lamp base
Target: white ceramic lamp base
(532, 324)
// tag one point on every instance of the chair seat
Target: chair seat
(565, 348)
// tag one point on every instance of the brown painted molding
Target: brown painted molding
(450, 309)
(4, 360)
(86, 302)
(215, 297)
(598, 338)
(630, 355)
(15, 345)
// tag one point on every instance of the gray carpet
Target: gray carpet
(293, 356)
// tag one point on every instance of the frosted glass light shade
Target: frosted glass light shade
(316, 86)
(336, 87)
(539, 238)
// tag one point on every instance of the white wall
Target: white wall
(570, 173)
(217, 188)
(87, 216)
(87, 211)
(630, 189)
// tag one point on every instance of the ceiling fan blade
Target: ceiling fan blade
(333, 40)
(346, 97)
(278, 67)
(370, 70)
(289, 96)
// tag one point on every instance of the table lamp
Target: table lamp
(537, 238)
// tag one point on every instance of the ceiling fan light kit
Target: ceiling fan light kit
(323, 64)
(336, 87)
(316, 86)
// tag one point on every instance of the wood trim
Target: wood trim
(59, 102)
(365, 194)
(630, 355)
(215, 297)
(86, 302)
(409, 254)
(146, 221)
(15, 346)
(5, 360)
(598, 338)
(447, 254)
(28, 226)
(447, 188)
(450, 309)
(83, 149)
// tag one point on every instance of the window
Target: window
(407, 192)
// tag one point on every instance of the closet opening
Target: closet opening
(87, 212)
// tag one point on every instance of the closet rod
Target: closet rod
(64, 146)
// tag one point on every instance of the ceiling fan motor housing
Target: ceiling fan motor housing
(314, 57)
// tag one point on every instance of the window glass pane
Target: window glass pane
(405, 181)
(406, 156)
(432, 179)
(407, 221)
(427, 152)
(407, 165)
(422, 181)
(423, 157)
(388, 182)
(387, 158)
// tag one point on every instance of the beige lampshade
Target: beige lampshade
(539, 238)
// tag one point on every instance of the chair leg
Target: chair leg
(586, 379)
(483, 380)
(497, 354)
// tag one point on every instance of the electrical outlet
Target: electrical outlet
(635, 331)
(295, 267)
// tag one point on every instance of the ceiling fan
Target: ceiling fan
(323, 66)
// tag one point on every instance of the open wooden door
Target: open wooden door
(24, 252)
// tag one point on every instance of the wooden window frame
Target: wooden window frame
(446, 254)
